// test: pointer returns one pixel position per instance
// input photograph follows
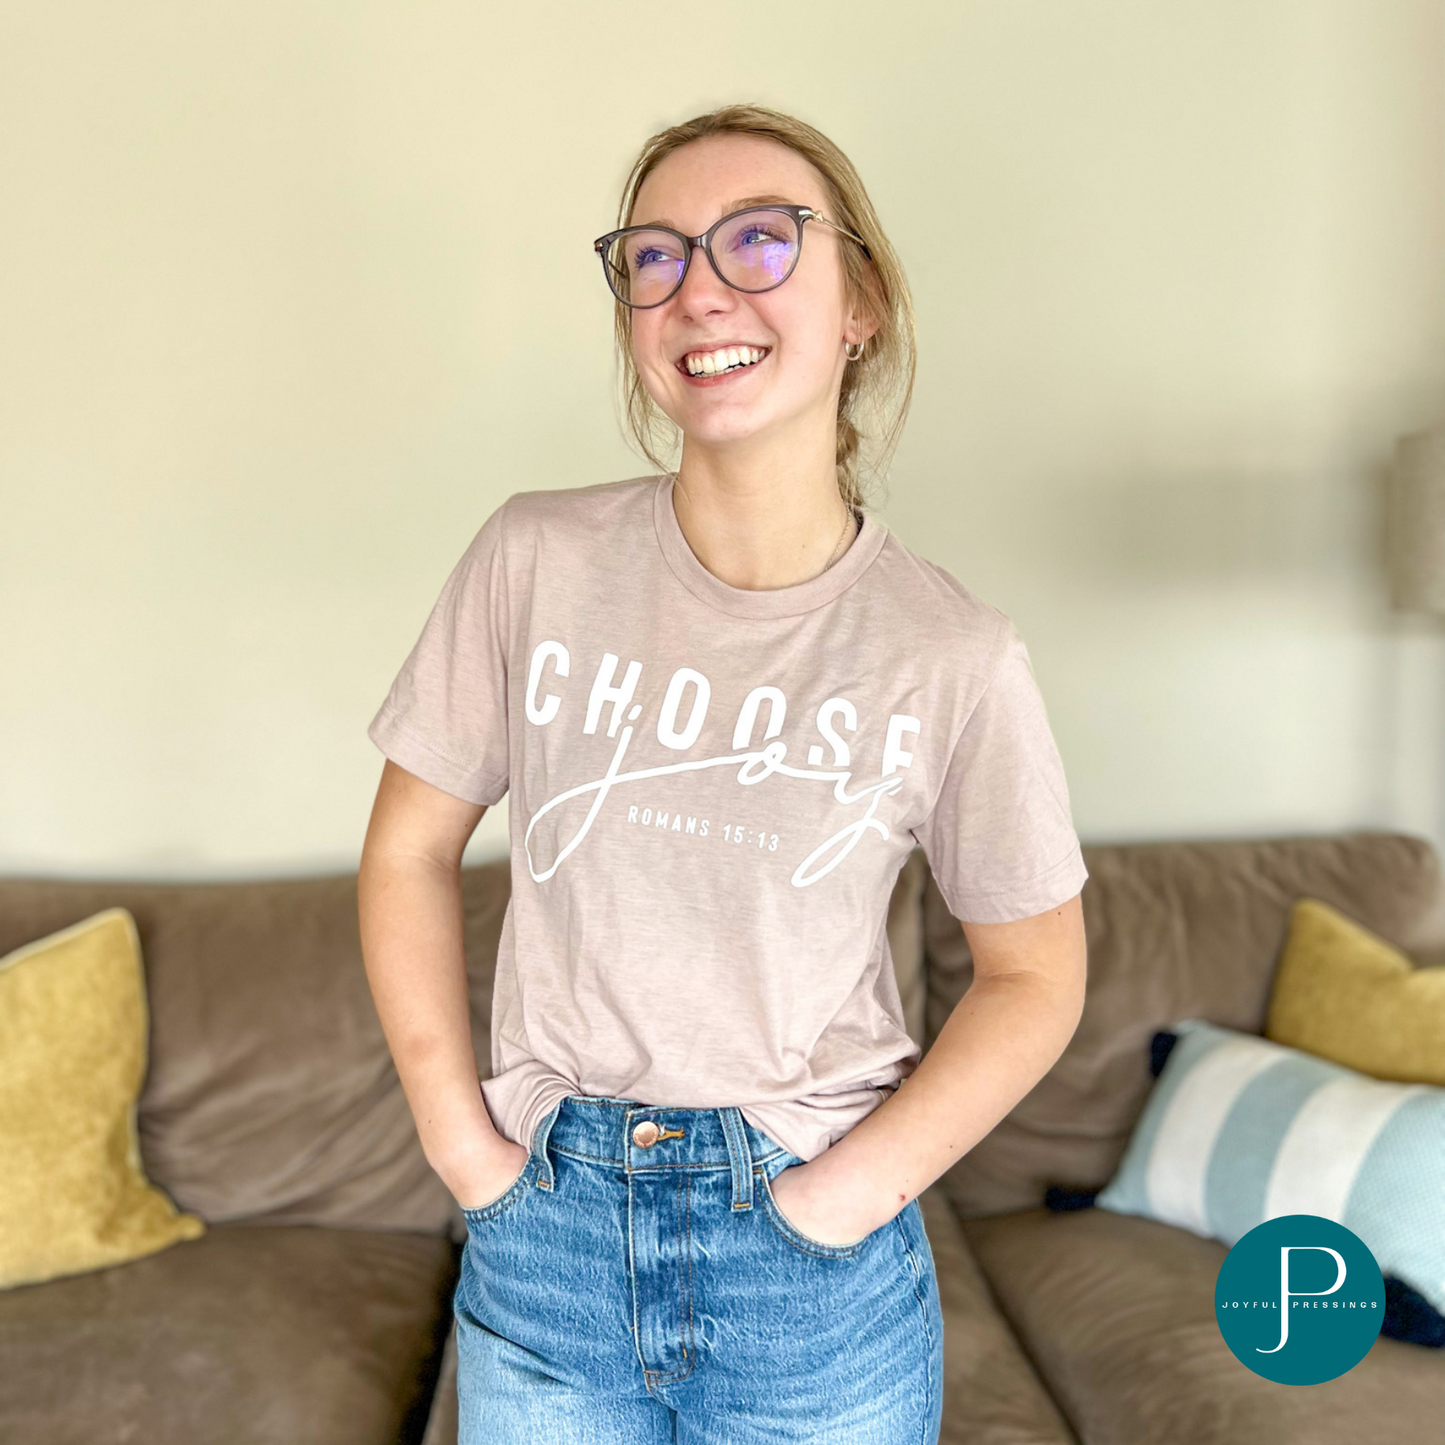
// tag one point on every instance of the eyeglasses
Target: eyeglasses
(753, 250)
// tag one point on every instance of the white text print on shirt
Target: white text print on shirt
(754, 765)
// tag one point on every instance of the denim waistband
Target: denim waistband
(646, 1138)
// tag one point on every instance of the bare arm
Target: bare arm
(1002, 1037)
(410, 905)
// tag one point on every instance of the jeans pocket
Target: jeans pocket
(804, 1243)
(516, 1190)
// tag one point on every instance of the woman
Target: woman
(727, 704)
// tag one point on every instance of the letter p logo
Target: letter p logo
(1286, 1294)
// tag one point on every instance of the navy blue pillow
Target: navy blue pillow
(1409, 1316)
(1060, 1198)
(1159, 1047)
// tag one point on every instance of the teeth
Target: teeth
(725, 358)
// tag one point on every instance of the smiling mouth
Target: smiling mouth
(721, 361)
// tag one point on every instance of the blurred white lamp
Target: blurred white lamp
(1415, 523)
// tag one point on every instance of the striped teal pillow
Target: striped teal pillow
(1239, 1129)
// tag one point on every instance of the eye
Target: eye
(757, 234)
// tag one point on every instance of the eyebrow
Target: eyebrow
(739, 205)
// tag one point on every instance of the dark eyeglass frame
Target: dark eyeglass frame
(799, 215)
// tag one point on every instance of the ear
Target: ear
(862, 319)
(859, 330)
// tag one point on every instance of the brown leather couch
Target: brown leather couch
(316, 1309)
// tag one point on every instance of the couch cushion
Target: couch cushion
(1118, 1315)
(73, 1193)
(1346, 995)
(271, 1094)
(1175, 930)
(1239, 1130)
(251, 1334)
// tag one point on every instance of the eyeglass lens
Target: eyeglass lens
(754, 251)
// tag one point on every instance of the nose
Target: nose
(702, 293)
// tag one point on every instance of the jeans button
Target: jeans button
(645, 1134)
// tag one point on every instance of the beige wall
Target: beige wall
(292, 296)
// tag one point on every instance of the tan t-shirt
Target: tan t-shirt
(712, 792)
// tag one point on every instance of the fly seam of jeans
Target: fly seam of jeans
(671, 1377)
(687, 1277)
(632, 1280)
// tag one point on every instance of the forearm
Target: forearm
(1002, 1037)
(412, 942)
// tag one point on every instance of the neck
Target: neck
(758, 519)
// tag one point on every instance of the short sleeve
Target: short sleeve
(999, 839)
(445, 718)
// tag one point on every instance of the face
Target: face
(799, 328)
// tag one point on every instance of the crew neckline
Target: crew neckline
(763, 601)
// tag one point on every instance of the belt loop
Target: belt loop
(545, 1177)
(739, 1156)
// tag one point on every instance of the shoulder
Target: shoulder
(945, 614)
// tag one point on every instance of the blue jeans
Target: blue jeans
(627, 1289)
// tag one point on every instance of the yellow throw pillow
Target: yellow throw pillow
(1343, 993)
(73, 1055)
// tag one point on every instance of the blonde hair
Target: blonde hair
(879, 385)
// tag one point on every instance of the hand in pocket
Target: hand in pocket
(826, 1219)
(488, 1174)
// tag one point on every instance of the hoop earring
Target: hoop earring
(850, 353)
